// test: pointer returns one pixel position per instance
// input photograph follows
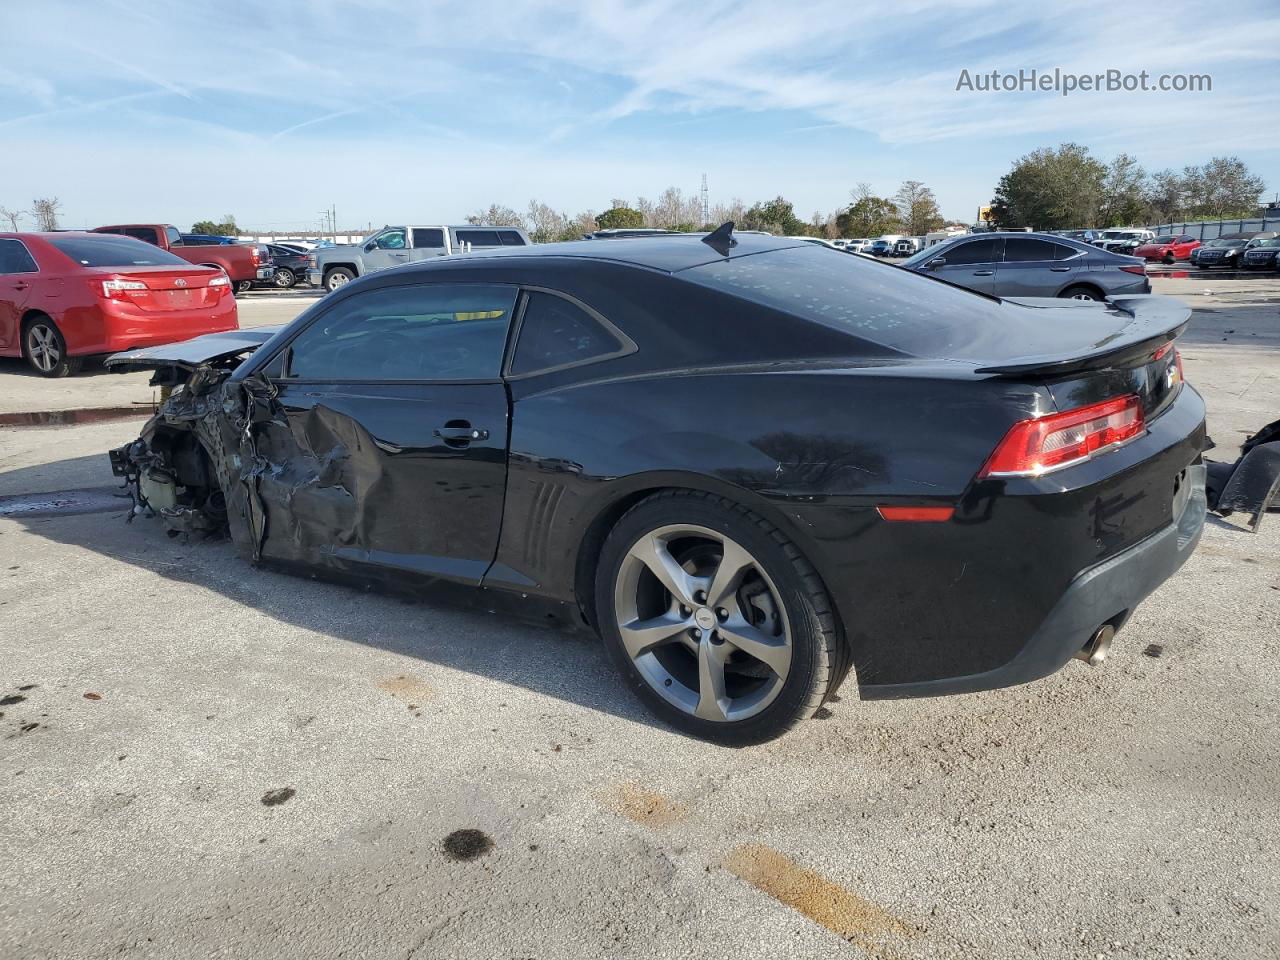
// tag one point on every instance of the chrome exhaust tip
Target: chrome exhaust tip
(1095, 651)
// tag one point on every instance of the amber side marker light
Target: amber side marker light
(1035, 447)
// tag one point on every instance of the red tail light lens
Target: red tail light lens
(1034, 447)
(917, 514)
(1139, 268)
(1177, 364)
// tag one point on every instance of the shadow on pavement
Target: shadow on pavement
(527, 642)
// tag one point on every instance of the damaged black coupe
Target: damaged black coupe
(758, 467)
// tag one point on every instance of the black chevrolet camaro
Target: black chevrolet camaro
(758, 467)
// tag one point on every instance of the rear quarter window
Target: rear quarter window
(110, 250)
(878, 302)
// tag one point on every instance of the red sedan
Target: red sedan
(65, 296)
(1167, 248)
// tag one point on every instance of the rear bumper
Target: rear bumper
(1107, 592)
(314, 277)
(153, 331)
(266, 273)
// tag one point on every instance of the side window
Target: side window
(555, 333)
(427, 239)
(510, 238)
(414, 332)
(391, 240)
(1026, 250)
(173, 236)
(1061, 252)
(479, 238)
(975, 251)
(147, 234)
(14, 258)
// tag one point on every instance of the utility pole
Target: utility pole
(706, 203)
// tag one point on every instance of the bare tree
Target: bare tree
(544, 223)
(45, 212)
(497, 216)
(734, 210)
(13, 216)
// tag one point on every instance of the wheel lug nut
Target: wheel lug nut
(722, 613)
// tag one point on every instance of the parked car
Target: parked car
(290, 265)
(857, 245)
(1032, 265)
(243, 263)
(1168, 248)
(1084, 236)
(392, 246)
(1123, 241)
(907, 246)
(1225, 251)
(68, 295)
(904, 484)
(883, 246)
(1264, 255)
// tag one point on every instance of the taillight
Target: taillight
(118, 289)
(1139, 268)
(220, 281)
(1177, 365)
(1034, 447)
(916, 514)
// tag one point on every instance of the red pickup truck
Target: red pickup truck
(243, 263)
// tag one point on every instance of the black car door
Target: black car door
(395, 447)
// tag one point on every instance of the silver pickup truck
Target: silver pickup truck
(334, 266)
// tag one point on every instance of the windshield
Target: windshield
(1227, 242)
(1164, 240)
(109, 250)
(1273, 242)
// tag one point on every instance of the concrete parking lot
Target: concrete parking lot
(198, 758)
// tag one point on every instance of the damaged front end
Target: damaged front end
(1251, 484)
(189, 460)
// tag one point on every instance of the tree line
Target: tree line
(913, 210)
(1056, 188)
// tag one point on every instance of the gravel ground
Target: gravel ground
(202, 759)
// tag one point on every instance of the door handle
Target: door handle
(983, 273)
(460, 433)
(400, 256)
(1060, 269)
(21, 285)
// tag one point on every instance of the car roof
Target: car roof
(669, 253)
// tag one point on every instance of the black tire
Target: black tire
(284, 278)
(244, 286)
(819, 657)
(45, 349)
(1168, 259)
(1081, 293)
(336, 277)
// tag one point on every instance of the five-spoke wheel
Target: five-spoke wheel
(716, 618)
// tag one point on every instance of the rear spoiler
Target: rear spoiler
(1153, 322)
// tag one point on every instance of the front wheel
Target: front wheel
(716, 620)
(45, 349)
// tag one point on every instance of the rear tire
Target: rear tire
(244, 286)
(1081, 293)
(1168, 259)
(45, 349)
(337, 277)
(284, 278)
(738, 658)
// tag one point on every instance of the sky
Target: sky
(128, 110)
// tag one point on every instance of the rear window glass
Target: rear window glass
(880, 302)
(510, 238)
(557, 333)
(109, 250)
(479, 238)
(427, 238)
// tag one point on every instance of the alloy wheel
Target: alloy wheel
(336, 280)
(702, 622)
(1081, 296)
(284, 277)
(42, 347)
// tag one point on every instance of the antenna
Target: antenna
(721, 238)
(706, 202)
